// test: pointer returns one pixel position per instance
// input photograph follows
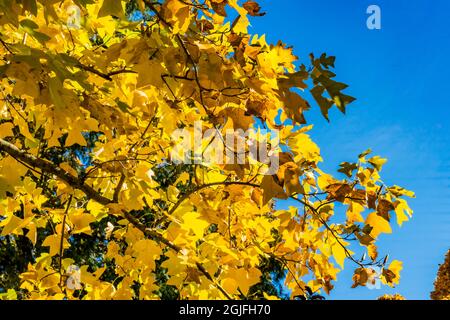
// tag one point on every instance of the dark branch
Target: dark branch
(49, 167)
(106, 76)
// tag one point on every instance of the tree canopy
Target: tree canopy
(93, 206)
(442, 283)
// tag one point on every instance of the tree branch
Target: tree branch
(106, 76)
(5, 46)
(158, 237)
(75, 182)
(338, 239)
(223, 183)
(119, 188)
(61, 244)
(49, 167)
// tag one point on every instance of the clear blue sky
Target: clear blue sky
(400, 76)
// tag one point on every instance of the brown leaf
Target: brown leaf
(204, 25)
(338, 191)
(388, 275)
(253, 9)
(219, 7)
(364, 239)
(271, 189)
(372, 250)
(234, 39)
(289, 176)
(360, 277)
(294, 106)
(257, 197)
(371, 199)
(383, 208)
(192, 274)
(255, 108)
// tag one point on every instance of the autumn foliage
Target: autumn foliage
(91, 92)
(391, 297)
(442, 284)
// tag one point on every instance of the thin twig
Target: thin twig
(118, 188)
(61, 243)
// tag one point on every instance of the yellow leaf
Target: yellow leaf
(111, 8)
(377, 162)
(11, 173)
(96, 209)
(146, 252)
(81, 222)
(241, 26)
(75, 137)
(354, 213)
(246, 278)
(6, 129)
(372, 251)
(9, 295)
(192, 221)
(145, 77)
(183, 178)
(304, 148)
(403, 211)
(392, 273)
(339, 254)
(10, 225)
(379, 225)
(172, 194)
(32, 233)
(179, 14)
(230, 285)
(54, 242)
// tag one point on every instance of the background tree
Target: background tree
(392, 297)
(92, 92)
(442, 283)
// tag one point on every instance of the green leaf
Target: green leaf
(122, 105)
(41, 37)
(30, 27)
(28, 24)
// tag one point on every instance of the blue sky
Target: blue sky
(399, 75)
